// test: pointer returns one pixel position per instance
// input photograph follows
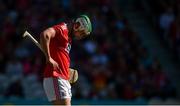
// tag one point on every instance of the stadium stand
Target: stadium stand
(112, 63)
(165, 15)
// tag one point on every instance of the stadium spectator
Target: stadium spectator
(165, 20)
(15, 89)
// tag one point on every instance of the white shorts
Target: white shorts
(57, 88)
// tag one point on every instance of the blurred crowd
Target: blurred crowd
(112, 62)
(167, 13)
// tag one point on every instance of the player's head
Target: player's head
(82, 27)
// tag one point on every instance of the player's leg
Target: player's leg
(66, 102)
(58, 91)
(63, 94)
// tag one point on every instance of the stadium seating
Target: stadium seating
(112, 63)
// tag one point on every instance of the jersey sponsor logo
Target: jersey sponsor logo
(68, 47)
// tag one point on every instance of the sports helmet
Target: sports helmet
(85, 24)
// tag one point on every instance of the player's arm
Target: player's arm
(45, 39)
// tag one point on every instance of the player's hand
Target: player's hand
(53, 63)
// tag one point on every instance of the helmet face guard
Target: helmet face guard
(85, 24)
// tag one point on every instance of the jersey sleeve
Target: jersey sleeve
(59, 32)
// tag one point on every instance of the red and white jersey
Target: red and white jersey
(59, 47)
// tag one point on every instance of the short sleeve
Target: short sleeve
(59, 32)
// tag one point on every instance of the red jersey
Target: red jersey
(59, 47)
